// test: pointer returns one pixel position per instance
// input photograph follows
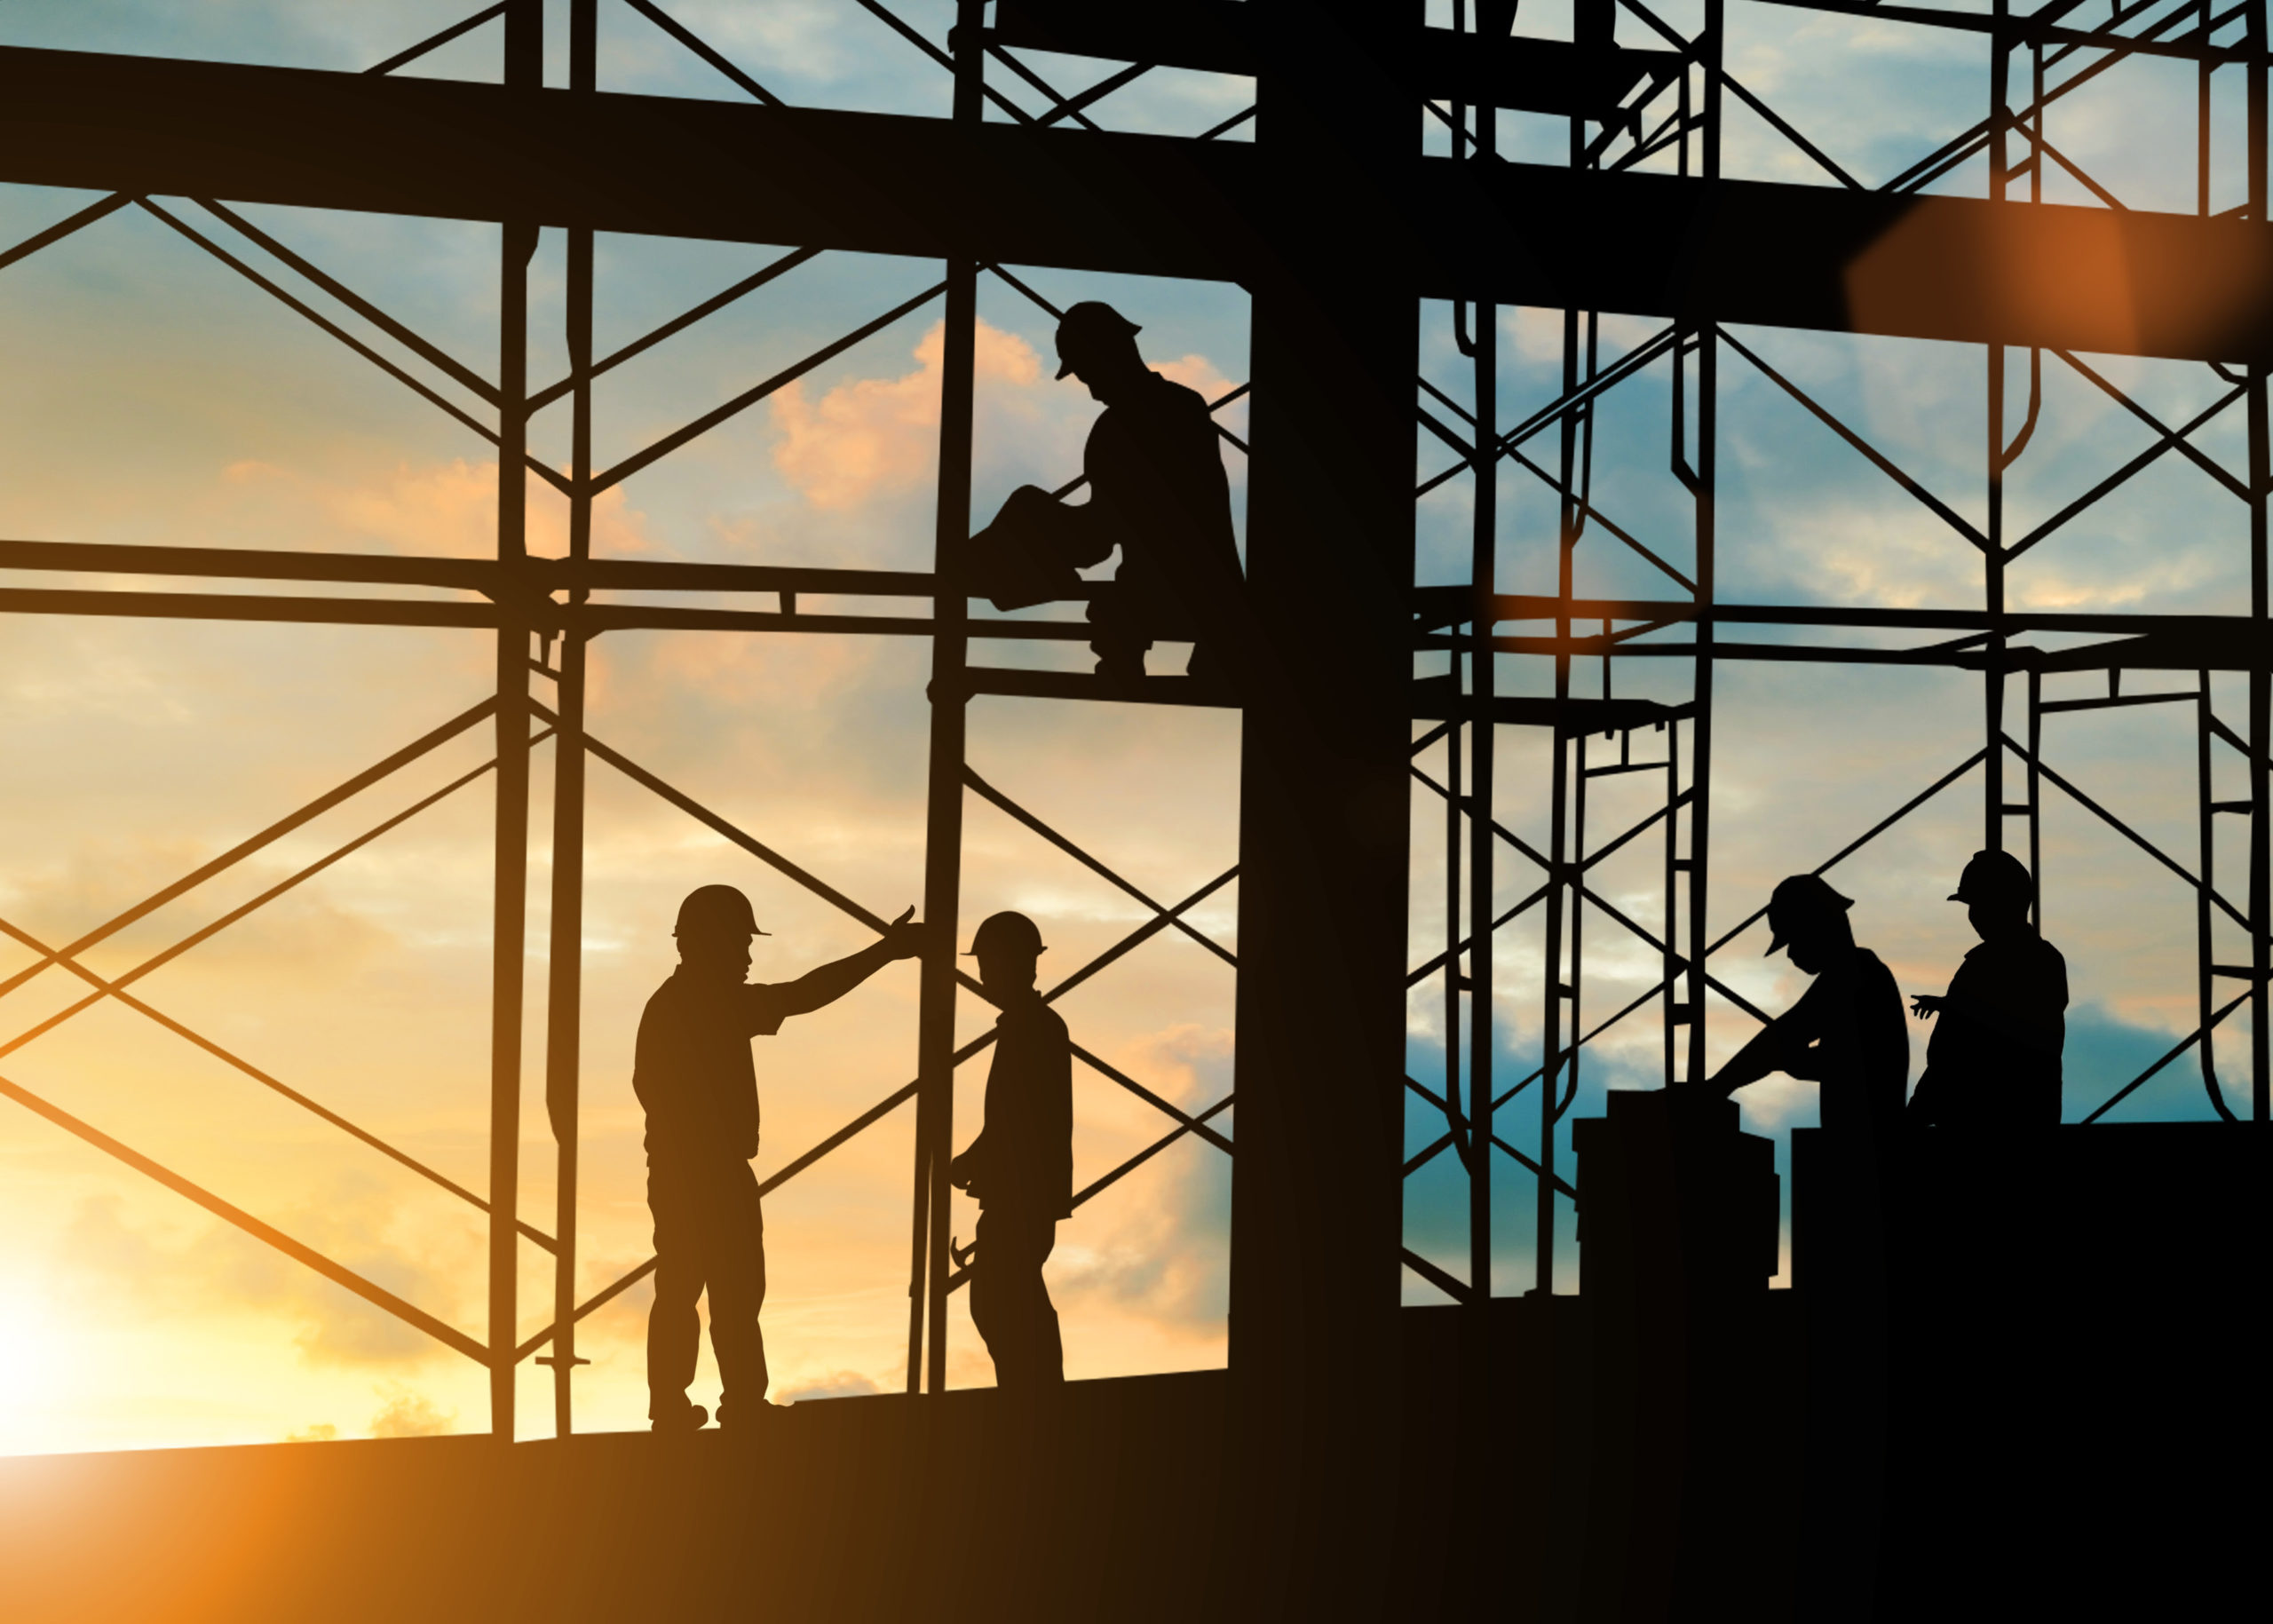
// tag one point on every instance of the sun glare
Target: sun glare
(31, 1365)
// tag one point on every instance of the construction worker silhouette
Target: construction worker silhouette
(1156, 492)
(694, 1075)
(1846, 1033)
(1993, 1062)
(1020, 1168)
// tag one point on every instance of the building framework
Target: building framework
(1632, 90)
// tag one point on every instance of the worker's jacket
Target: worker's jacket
(1994, 1058)
(1852, 1013)
(1158, 492)
(693, 1069)
(1022, 1160)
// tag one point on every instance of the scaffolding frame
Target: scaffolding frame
(1673, 103)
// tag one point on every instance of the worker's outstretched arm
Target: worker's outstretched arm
(1783, 1045)
(818, 989)
(1087, 534)
(1764, 1054)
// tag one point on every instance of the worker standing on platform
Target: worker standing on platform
(1020, 1169)
(692, 1074)
(1993, 1063)
(1846, 1033)
(1156, 492)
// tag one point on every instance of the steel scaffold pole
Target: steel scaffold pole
(2260, 700)
(524, 66)
(1483, 739)
(564, 998)
(943, 833)
(1700, 744)
(1992, 669)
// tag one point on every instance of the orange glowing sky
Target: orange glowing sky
(156, 398)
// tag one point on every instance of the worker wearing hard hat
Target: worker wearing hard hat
(694, 1074)
(1157, 493)
(1993, 1063)
(1020, 1168)
(1846, 1033)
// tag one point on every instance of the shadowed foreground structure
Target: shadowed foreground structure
(1715, 1451)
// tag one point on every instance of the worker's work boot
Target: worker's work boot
(691, 1419)
(747, 1418)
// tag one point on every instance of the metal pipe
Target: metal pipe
(565, 966)
(942, 831)
(1992, 673)
(524, 65)
(1483, 760)
(1700, 771)
(2260, 697)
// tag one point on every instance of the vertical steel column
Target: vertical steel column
(1456, 786)
(1550, 1076)
(2036, 798)
(1992, 669)
(1700, 747)
(1669, 961)
(2260, 700)
(1324, 674)
(2205, 989)
(524, 66)
(1484, 572)
(942, 831)
(564, 998)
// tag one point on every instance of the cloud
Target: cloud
(322, 1432)
(409, 1414)
(102, 1258)
(1169, 1258)
(878, 436)
(842, 1384)
(446, 510)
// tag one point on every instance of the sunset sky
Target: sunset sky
(156, 397)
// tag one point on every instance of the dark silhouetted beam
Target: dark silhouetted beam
(1656, 245)
(1531, 75)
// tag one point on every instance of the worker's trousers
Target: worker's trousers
(709, 1235)
(1010, 1304)
(1129, 612)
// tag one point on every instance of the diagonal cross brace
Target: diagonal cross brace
(274, 832)
(105, 987)
(408, 1312)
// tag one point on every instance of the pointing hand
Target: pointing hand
(905, 939)
(1923, 1004)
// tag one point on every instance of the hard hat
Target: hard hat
(1084, 324)
(716, 910)
(1801, 896)
(1992, 876)
(1010, 933)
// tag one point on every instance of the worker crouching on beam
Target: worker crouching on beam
(1158, 494)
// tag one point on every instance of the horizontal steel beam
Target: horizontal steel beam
(537, 614)
(1665, 246)
(1223, 37)
(1441, 601)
